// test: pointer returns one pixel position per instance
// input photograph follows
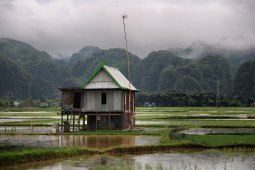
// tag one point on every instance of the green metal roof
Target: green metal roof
(118, 78)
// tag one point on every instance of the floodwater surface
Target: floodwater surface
(210, 160)
(93, 141)
(204, 131)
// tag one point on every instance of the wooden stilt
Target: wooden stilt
(61, 125)
(83, 123)
(109, 117)
(79, 120)
(73, 121)
(96, 122)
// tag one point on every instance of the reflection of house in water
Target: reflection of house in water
(107, 100)
(101, 141)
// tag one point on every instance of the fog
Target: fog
(62, 27)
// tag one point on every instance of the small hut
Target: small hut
(106, 101)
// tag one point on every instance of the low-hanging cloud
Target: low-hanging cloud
(62, 27)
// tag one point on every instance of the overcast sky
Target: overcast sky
(62, 27)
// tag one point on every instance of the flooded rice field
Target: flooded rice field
(209, 160)
(238, 121)
(37, 112)
(204, 131)
(93, 141)
(26, 129)
(202, 115)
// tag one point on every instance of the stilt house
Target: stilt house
(106, 101)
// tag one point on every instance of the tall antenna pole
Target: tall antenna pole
(128, 63)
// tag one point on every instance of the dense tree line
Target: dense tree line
(157, 75)
(190, 99)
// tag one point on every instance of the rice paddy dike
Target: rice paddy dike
(158, 129)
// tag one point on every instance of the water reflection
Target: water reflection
(209, 160)
(102, 141)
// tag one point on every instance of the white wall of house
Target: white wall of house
(114, 100)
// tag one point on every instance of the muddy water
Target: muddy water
(210, 160)
(102, 141)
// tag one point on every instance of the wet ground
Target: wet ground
(93, 141)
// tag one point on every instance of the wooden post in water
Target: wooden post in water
(61, 125)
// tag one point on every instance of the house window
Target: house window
(103, 98)
(77, 100)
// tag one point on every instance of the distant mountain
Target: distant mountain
(47, 75)
(83, 54)
(115, 57)
(195, 69)
(161, 71)
(244, 85)
(149, 69)
(200, 49)
(13, 79)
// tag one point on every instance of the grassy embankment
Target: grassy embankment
(23, 155)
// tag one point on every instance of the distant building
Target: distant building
(16, 104)
(107, 100)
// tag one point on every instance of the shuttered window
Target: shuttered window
(103, 98)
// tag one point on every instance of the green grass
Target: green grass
(40, 154)
(221, 140)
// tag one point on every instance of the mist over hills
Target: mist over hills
(189, 70)
(200, 49)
